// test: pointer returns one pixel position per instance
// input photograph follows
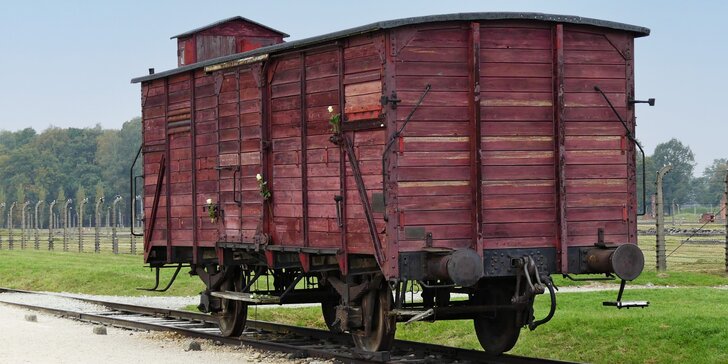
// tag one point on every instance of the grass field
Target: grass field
(686, 324)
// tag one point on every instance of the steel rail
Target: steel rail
(264, 335)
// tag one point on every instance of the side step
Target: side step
(246, 297)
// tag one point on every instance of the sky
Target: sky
(68, 63)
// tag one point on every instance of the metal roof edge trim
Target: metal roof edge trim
(389, 24)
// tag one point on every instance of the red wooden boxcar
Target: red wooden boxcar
(467, 153)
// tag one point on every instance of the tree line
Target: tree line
(680, 185)
(62, 163)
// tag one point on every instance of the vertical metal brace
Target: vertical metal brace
(476, 174)
(560, 148)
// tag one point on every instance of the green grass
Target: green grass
(102, 273)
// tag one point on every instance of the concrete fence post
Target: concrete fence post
(11, 239)
(65, 224)
(23, 226)
(114, 237)
(661, 259)
(51, 221)
(97, 229)
(37, 225)
(80, 224)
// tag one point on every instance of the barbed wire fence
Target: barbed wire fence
(27, 225)
(695, 237)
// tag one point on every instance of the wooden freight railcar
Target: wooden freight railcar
(468, 153)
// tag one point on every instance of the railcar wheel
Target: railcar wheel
(499, 331)
(234, 314)
(376, 304)
(328, 309)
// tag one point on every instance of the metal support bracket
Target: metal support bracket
(619, 304)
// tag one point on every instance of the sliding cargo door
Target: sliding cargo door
(229, 143)
(239, 143)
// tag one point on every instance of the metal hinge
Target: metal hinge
(392, 99)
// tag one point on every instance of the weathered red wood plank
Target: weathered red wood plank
(590, 240)
(595, 157)
(595, 213)
(421, 159)
(500, 173)
(595, 71)
(359, 65)
(594, 114)
(417, 84)
(515, 158)
(322, 84)
(516, 84)
(452, 202)
(519, 99)
(572, 99)
(516, 70)
(522, 38)
(521, 215)
(432, 68)
(446, 217)
(511, 55)
(496, 113)
(518, 143)
(528, 242)
(424, 144)
(596, 171)
(359, 51)
(441, 232)
(525, 200)
(518, 187)
(574, 128)
(324, 70)
(589, 228)
(517, 128)
(591, 185)
(429, 188)
(577, 40)
(434, 114)
(440, 37)
(611, 142)
(593, 57)
(432, 54)
(519, 230)
(596, 199)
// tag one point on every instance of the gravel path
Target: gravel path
(55, 340)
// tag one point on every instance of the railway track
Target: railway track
(303, 342)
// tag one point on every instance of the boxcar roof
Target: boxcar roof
(197, 30)
(388, 24)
